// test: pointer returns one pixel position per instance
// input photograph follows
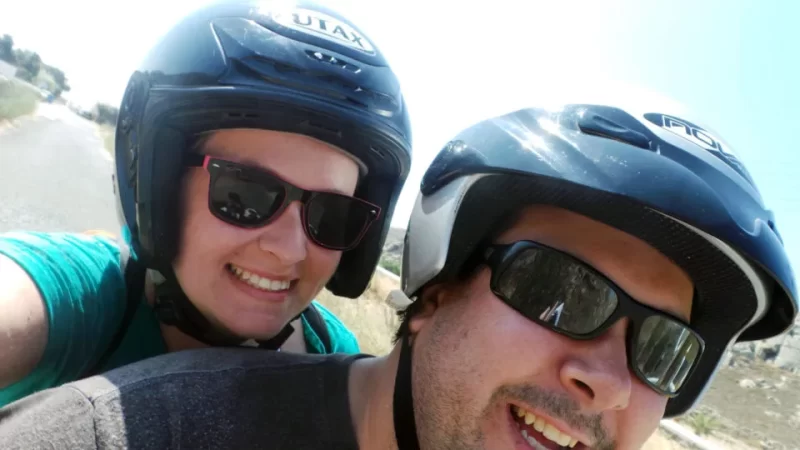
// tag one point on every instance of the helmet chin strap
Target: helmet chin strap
(172, 307)
(405, 428)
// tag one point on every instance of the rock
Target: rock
(763, 383)
(774, 399)
(769, 444)
(747, 383)
(773, 414)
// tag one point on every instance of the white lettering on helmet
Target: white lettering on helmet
(702, 138)
(322, 25)
(690, 131)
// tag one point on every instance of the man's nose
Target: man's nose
(285, 237)
(597, 374)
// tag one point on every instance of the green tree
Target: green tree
(60, 80)
(58, 76)
(106, 114)
(23, 74)
(33, 64)
(29, 63)
(391, 265)
(7, 49)
(32, 69)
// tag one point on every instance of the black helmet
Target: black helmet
(300, 68)
(655, 175)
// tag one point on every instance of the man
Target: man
(577, 275)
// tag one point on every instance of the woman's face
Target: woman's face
(252, 282)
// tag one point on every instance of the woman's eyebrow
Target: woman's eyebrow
(247, 161)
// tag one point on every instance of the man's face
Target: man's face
(477, 360)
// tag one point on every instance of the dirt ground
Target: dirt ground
(755, 403)
(660, 442)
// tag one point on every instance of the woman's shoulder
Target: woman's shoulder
(55, 258)
(80, 280)
(44, 243)
(342, 340)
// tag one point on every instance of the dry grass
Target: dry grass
(107, 135)
(369, 317)
(16, 99)
(660, 441)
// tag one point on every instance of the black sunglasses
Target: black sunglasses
(566, 295)
(251, 197)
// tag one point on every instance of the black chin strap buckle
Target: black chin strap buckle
(173, 308)
(165, 309)
(405, 427)
(278, 340)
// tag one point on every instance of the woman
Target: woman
(259, 156)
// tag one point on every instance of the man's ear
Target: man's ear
(431, 299)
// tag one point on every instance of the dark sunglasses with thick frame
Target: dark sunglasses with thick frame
(526, 274)
(252, 197)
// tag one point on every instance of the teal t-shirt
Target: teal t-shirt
(81, 281)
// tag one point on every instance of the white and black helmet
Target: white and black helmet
(654, 174)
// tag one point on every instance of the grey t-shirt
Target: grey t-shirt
(197, 399)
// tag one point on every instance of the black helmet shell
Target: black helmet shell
(651, 173)
(301, 68)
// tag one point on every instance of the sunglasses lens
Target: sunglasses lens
(550, 287)
(553, 289)
(239, 200)
(338, 221)
(250, 197)
(665, 352)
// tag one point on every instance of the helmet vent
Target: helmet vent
(238, 115)
(377, 152)
(598, 125)
(774, 229)
(320, 127)
(341, 86)
(328, 59)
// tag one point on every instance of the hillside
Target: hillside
(393, 250)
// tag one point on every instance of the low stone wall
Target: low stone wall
(789, 352)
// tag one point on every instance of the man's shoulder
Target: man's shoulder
(211, 368)
(209, 398)
(242, 398)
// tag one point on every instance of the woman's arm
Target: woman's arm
(62, 297)
(23, 323)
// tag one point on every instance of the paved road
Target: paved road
(55, 174)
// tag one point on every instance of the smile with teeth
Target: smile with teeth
(535, 428)
(258, 282)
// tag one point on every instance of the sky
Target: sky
(733, 64)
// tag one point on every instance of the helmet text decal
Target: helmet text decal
(324, 26)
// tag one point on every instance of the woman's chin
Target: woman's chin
(249, 317)
(258, 327)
